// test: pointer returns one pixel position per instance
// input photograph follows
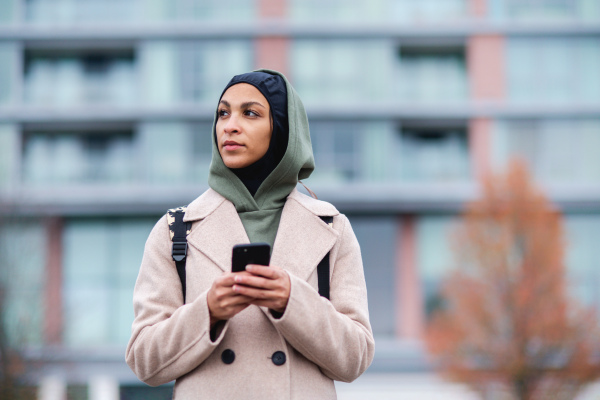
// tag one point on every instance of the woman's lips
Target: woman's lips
(230, 146)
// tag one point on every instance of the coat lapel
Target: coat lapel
(302, 241)
(217, 233)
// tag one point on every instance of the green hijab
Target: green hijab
(260, 214)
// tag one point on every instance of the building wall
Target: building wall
(105, 121)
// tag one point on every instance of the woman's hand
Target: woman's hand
(223, 301)
(267, 286)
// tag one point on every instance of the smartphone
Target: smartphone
(251, 253)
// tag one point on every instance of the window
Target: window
(207, 67)
(9, 154)
(433, 155)
(558, 150)
(431, 75)
(176, 152)
(327, 72)
(8, 11)
(100, 266)
(69, 158)
(8, 59)
(582, 257)
(190, 71)
(377, 237)
(60, 79)
(76, 12)
(357, 11)
(545, 10)
(336, 147)
(434, 256)
(554, 70)
(22, 277)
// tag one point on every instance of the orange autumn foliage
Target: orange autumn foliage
(507, 323)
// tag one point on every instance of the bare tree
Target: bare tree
(507, 321)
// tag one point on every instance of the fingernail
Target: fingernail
(236, 288)
(248, 267)
(237, 279)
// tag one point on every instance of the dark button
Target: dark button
(227, 356)
(278, 358)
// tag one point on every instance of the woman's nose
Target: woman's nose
(232, 125)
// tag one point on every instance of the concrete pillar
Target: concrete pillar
(52, 388)
(103, 387)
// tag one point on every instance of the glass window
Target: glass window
(583, 257)
(545, 10)
(176, 152)
(432, 155)
(100, 267)
(8, 63)
(357, 11)
(430, 75)
(434, 255)
(63, 12)
(101, 157)
(199, 10)
(9, 147)
(22, 275)
(55, 79)
(557, 150)
(7, 11)
(191, 71)
(332, 71)
(377, 237)
(554, 70)
(336, 147)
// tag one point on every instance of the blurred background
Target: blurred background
(106, 109)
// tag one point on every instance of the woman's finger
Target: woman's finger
(271, 272)
(259, 282)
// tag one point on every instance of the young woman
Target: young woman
(264, 333)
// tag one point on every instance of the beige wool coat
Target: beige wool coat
(321, 340)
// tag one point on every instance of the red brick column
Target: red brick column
(53, 307)
(480, 137)
(477, 8)
(272, 51)
(486, 63)
(410, 313)
(486, 67)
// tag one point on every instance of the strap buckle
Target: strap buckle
(179, 251)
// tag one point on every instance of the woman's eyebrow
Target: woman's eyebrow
(251, 103)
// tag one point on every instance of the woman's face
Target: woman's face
(243, 126)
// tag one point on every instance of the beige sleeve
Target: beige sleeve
(168, 339)
(336, 335)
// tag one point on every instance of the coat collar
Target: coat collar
(302, 241)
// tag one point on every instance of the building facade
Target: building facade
(106, 110)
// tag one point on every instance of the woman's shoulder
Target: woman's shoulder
(317, 207)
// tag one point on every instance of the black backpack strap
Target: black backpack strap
(179, 231)
(323, 267)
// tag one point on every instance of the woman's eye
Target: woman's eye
(223, 113)
(251, 113)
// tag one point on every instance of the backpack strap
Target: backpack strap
(178, 232)
(323, 267)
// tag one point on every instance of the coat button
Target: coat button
(278, 358)
(227, 356)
